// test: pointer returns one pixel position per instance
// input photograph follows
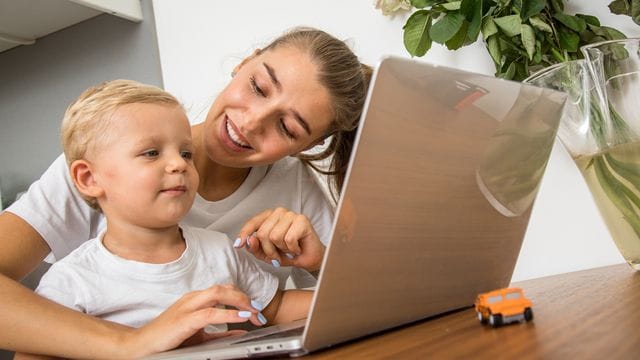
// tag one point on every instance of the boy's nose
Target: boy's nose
(176, 164)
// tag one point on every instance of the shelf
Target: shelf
(22, 22)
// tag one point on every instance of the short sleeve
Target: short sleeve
(316, 205)
(55, 209)
(62, 287)
(258, 284)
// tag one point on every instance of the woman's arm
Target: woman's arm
(33, 324)
(288, 305)
(24, 316)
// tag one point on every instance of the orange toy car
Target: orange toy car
(503, 306)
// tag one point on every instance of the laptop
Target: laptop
(434, 208)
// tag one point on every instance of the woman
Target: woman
(304, 88)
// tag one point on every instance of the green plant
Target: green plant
(522, 36)
(627, 7)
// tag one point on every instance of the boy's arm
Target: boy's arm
(288, 305)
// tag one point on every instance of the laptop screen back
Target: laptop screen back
(437, 198)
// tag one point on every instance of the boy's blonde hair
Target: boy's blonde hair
(86, 122)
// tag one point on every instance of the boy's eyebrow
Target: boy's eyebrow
(276, 83)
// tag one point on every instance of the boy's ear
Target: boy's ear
(81, 172)
(256, 52)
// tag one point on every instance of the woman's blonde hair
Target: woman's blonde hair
(86, 122)
(347, 81)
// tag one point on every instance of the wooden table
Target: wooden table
(591, 314)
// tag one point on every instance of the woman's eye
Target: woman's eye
(186, 155)
(255, 88)
(151, 153)
(285, 130)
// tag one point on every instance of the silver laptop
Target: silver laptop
(434, 208)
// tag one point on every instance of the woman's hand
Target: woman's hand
(282, 237)
(182, 323)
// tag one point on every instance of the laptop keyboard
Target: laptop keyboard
(278, 335)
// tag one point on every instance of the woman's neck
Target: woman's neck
(153, 246)
(217, 181)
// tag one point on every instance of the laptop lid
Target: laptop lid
(437, 198)
(435, 205)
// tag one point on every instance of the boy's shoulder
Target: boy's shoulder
(210, 237)
(82, 254)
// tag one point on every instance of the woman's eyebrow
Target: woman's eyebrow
(276, 83)
(272, 75)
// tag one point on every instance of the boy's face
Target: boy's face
(145, 166)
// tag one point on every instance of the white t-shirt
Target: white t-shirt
(94, 281)
(55, 209)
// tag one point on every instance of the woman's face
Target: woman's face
(273, 107)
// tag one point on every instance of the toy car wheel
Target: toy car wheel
(528, 314)
(481, 318)
(495, 320)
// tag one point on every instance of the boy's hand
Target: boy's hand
(282, 237)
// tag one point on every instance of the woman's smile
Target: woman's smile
(232, 138)
(236, 136)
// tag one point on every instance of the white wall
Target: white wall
(200, 42)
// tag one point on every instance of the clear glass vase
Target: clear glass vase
(600, 130)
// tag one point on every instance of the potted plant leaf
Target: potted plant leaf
(521, 36)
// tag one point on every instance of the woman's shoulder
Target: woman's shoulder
(293, 169)
(286, 166)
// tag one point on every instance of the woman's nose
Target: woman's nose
(255, 120)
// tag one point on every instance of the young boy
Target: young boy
(129, 151)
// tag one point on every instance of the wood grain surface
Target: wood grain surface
(590, 314)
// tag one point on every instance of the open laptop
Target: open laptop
(433, 211)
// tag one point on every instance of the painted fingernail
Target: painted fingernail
(289, 256)
(249, 240)
(275, 263)
(257, 305)
(237, 243)
(244, 314)
(262, 319)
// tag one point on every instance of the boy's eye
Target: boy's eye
(255, 88)
(186, 155)
(151, 153)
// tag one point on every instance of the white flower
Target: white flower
(388, 7)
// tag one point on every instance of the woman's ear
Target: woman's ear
(256, 52)
(82, 174)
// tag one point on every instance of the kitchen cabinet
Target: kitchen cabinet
(23, 22)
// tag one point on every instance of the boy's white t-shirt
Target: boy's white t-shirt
(94, 281)
(54, 208)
